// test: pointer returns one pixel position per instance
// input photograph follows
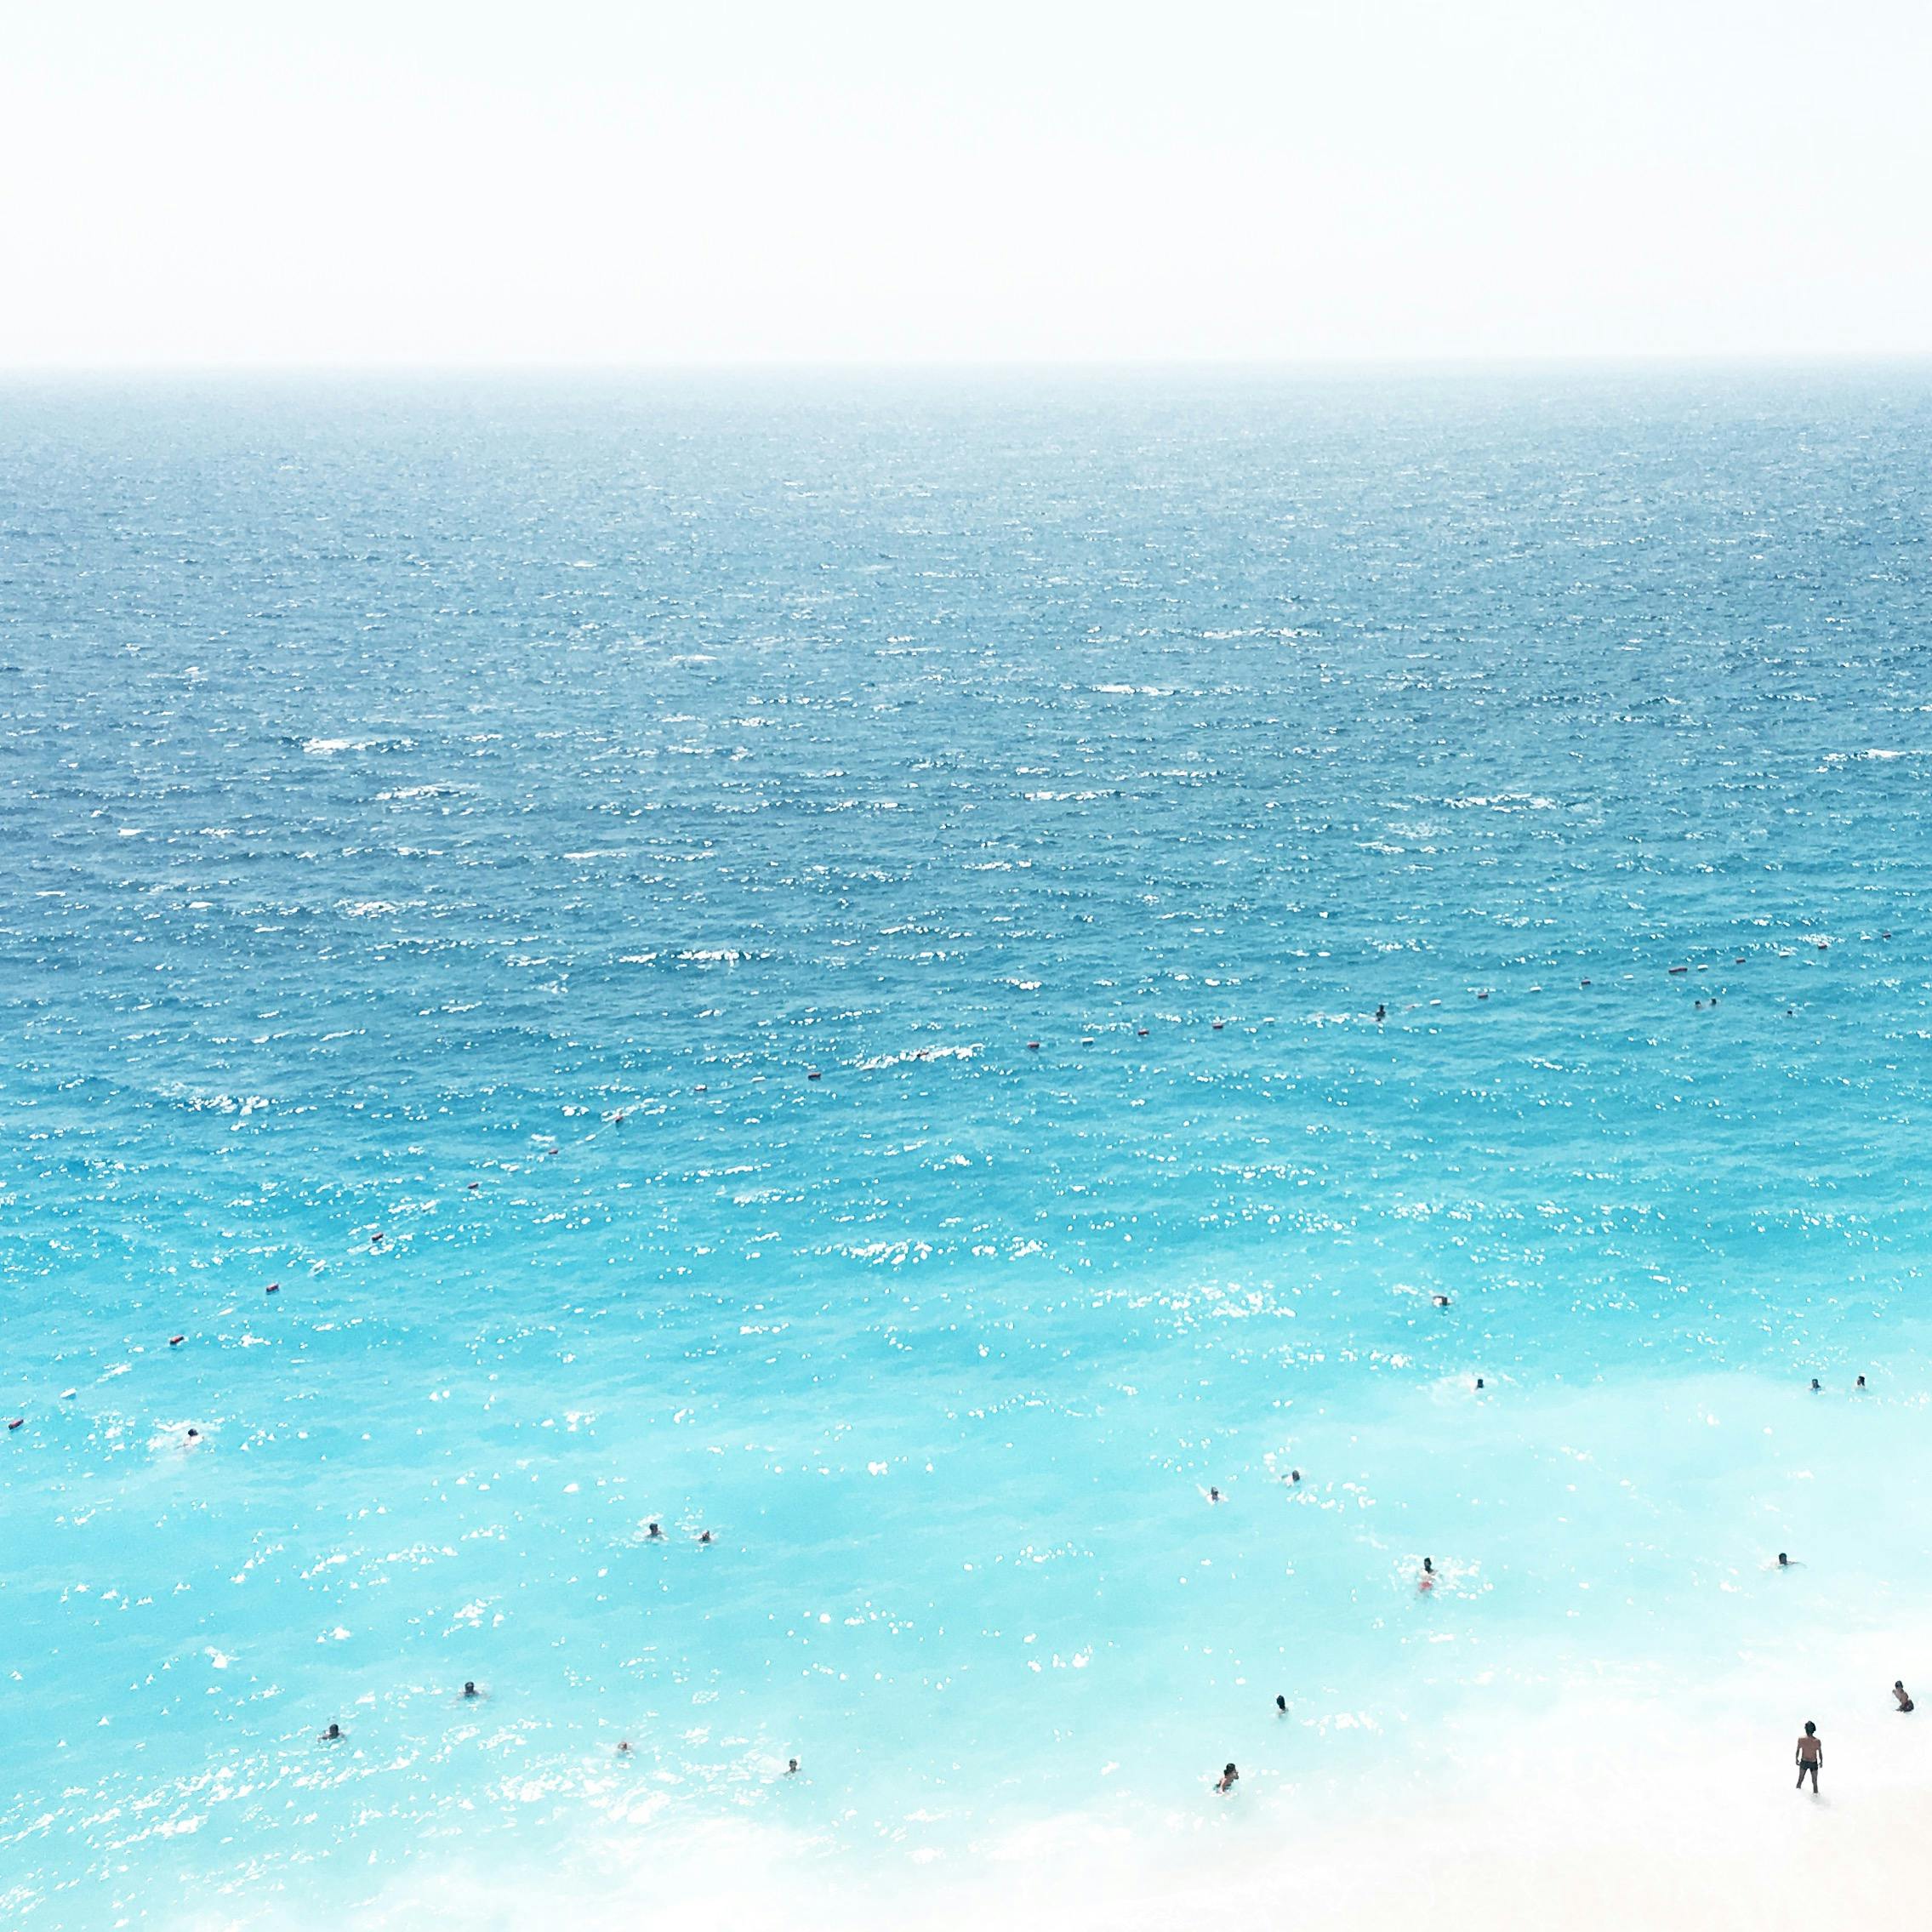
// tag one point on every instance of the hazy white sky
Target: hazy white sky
(581, 180)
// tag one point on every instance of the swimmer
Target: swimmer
(1785, 1562)
(1903, 1695)
(1815, 1389)
(1281, 1706)
(1381, 1012)
(1294, 1475)
(1426, 1580)
(1441, 1301)
(791, 1767)
(1214, 1495)
(1860, 1383)
(1479, 1382)
(194, 1435)
(470, 1688)
(654, 1533)
(703, 1535)
(623, 1748)
(475, 1186)
(332, 1735)
(1810, 1757)
(273, 1288)
(376, 1239)
(1229, 1779)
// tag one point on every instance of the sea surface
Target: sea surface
(917, 972)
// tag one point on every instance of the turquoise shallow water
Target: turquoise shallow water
(470, 814)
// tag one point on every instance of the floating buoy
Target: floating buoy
(175, 1341)
(1219, 1024)
(1033, 1046)
(813, 1075)
(1586, 983)
(17, 1422)
(1681, 969)
(273, 1288)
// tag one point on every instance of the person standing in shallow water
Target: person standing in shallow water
(1903, 1695)
(1810, 1757)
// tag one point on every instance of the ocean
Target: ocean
(921, 974)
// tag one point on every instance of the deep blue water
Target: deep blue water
(471, 813)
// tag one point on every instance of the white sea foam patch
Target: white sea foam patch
(402, 793)
(334, 747)
(1603, 1813)
(882, 1060)
(201, 1101)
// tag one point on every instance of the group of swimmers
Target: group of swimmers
(1810, 1747)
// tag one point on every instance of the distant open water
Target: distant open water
(472, 813)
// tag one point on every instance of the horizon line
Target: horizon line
(1485, 362)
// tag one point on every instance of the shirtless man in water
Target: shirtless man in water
(1810, 1757)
